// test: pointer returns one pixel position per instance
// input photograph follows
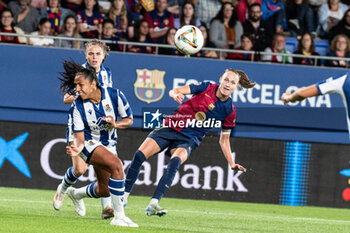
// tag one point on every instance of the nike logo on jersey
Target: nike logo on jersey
(207, 95)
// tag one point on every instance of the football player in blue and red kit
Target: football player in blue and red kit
(210, 107)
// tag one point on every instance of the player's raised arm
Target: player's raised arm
(226, 149)
(178, 94)
(300, 94)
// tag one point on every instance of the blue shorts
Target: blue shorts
(169, 138)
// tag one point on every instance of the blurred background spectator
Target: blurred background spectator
(247, 45)
(340, 47)
(242, 9)
(89, 19)
(329, 15)
(169, 39)
(278, 46)
(73, 5)
(44, 30)
(25, 15)
(159, 21)
(142, 36)
(260, 30)
(342, 27)
(38, 4)
(225, 29)
(108, 34)
(274, 13)
(6, 25)
(55, 14)
(306, 47)
(123, 21)
(187, 16)
(206, 10)
(300, 17)
(207, 44)
(70, 30)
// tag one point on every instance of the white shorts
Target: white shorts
(91, 145)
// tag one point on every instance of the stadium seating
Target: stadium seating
(321, 45)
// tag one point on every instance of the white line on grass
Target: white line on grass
(240, 214)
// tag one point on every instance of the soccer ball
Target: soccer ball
(189, 39)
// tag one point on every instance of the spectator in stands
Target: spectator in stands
(300, 17)
(187, 16)
(122, 20)
(107, 34)
(25, 15)
(142, 36)
(73, 5)
(3, 5)
(340, 47)
(329, 15)
(55, 14)
(38, 4)
(247, 45)
(274, 13)
(242, 9)
(159, 20)
(169, 40)
(69, 30)
(260, 30)
(6, 25)
(89, 19)
(278, 46)
(206, 10)
(44, 30)
(225, 29)
(343, 27)
(207, 44)
(306, 47)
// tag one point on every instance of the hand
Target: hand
(236, 166)
(110, 121)
(178, 97)
(286, 97)
(72, 150)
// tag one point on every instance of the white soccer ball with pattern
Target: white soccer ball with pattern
(189, 39)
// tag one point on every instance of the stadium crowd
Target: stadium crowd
(248, 25)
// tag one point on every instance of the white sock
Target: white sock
(154, 201)
(126, 195)
(118, 205)
(106, 202)
(80, 193)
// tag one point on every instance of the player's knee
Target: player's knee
(116, 166)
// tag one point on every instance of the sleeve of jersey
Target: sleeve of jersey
(230, 121)
(109, 72)
(77, 121)
(197, 88)
(331, 85)
(124, 109)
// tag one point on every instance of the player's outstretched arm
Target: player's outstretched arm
(226, 149)
(178, 94)
(78, 145)
(299, 94)
(122, 124)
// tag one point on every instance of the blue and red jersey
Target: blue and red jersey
(205, 107)
(159, 22)
(90, 21)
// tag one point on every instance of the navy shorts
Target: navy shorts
(169, 138)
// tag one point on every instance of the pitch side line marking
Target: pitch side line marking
(258, 216)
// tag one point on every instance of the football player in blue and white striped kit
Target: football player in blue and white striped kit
(339, 84)
(95, 115)
(95, 53)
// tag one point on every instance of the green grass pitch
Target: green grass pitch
(30, 210)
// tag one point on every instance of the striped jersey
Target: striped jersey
(339, 84)
(203, 112)
(104, 76)
(87, 116)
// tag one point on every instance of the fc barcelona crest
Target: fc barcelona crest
(149, 85)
